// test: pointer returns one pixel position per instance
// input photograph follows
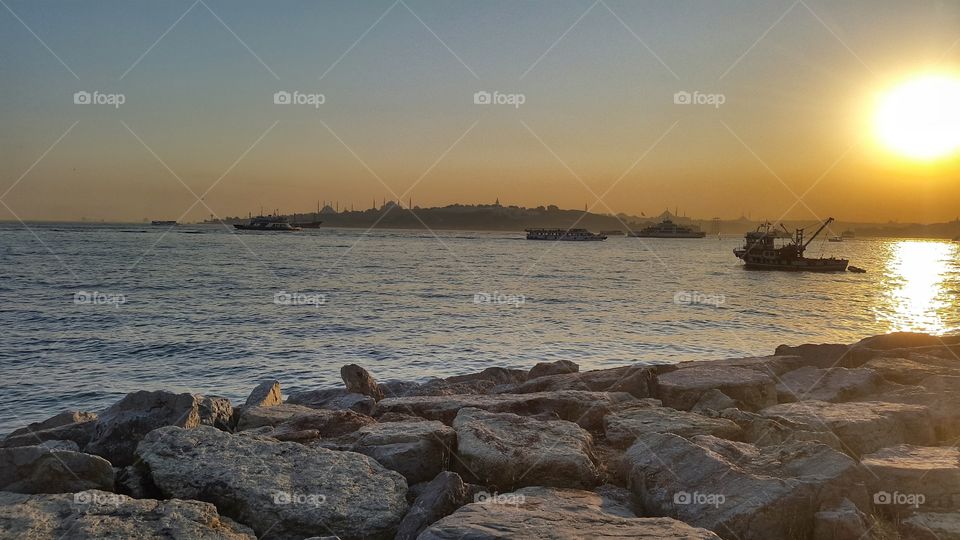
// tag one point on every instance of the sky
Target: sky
(589, 116)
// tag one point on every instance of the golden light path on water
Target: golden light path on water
(917, 285)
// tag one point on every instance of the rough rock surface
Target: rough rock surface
(560, 367)
(841, 522)
(940, 394)
(507, 451)
(930, 471)
(359, 381)
(834, 384)
(762, 431)
(635, 380)
(496, 375)
(541, 513)
(714, 400)
(59, 420)
(37, 469)
(417, 450)
(862, 427)
(266, 394)
(121, 426)
(585, 408)
(74, 426)
(932, 526)
(95, 515)
(683, 388)
(288, 489)
(287, 418)
(333, 399)
(439, 498)
(623, 427)
(736, 489)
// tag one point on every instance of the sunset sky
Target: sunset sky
(800, 82)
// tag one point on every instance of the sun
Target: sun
(920, 118)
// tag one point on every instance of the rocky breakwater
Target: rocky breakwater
(832, 441)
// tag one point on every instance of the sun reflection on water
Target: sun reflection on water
(918, 287)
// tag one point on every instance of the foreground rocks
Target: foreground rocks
(506, 451)
(285, 488)
(566, 514)
(39, 469)
(99, 514)
(623, 427)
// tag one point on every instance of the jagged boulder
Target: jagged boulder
(714, 400)
(121, 426)
(359, 381)
(561, 514)
(505, 450)
(683, 388)
(905, 477)
(833, 384)
(287, 418)
(96, 514)
(932, 526)
(739, 490)
(265, 394)
(417, 450)
(623, 427)
(37, 469)
(288, 489)
(333, 399)
(843, 521)
(585, 408)
(862, 427)
(439, 498)
(560, 367)
(636, 380)
(75, 426)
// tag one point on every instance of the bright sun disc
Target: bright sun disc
(921, 118)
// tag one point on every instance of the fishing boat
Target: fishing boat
(267, 223)
(163, 223)
(668, 229)
(569, 235)
(761, 251)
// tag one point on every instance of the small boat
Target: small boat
(668, 229)
(162, 223)
(613, 232)
(569, 235)
(835, 239)
(761, 252)
(856, 270)
(267, 223)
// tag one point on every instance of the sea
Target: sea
(90, 312)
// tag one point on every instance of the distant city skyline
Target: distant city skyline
(124, 110)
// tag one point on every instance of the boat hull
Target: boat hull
(800, 265)
(700, 234)
(568, 239)
(242, 227)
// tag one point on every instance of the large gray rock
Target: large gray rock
(37, 469)
(904, 478)
(333, 399)
(834, 384)
(359, 381)
(826, 355)
(75, 426)
(286, 489)
(940, 394)
(762, 431)
(862, 427)
(541, 513)
(506, 450)
(95, 515)
(266, 394)
(560, 367)
(843, 521)
(439, 498)
(121, 426)
(496, 375)
(736, 489)
(683, 388)
(912, 370)
(417, 450)
(623, 427)
(932, 526)
(635, 380)
(585, 408)
(287, 418)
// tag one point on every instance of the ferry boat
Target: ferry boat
(668, 229)
(570, 235)
(761, 252)
(612, 232)
(163, 223)
(835, 239)
(267, 223)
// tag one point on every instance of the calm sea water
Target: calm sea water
(195, 309)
